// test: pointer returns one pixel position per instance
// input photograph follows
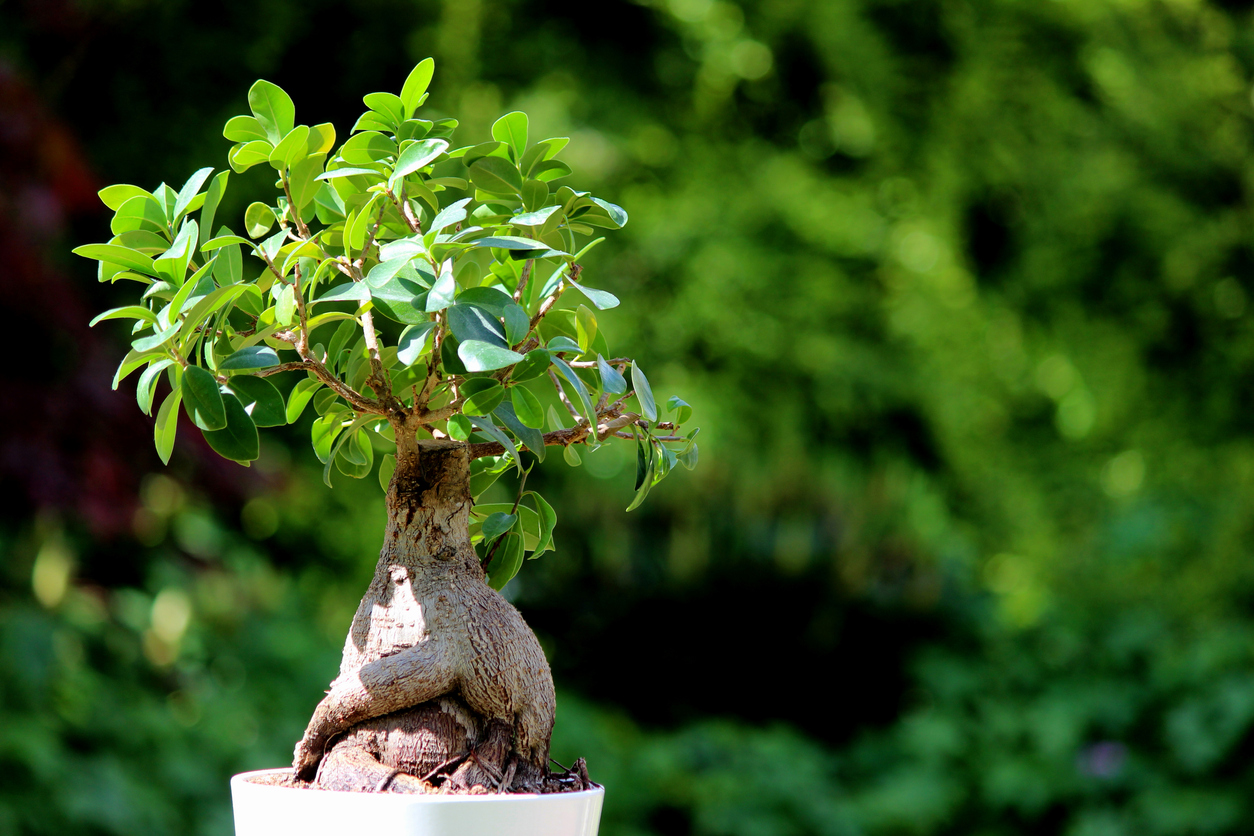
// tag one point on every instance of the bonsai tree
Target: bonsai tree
(428, 303)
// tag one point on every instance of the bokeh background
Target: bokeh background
(959, 290)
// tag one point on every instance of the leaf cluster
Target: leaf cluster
(409, 286)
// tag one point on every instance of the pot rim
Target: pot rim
(241, 779)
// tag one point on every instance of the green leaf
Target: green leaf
(512, 130)
(485, 426)
(258, 218)
(416, 85)
(645, 458)
(533, 438)
(291, 149)
(497, 524)
(341, 438)
(213, 197)
(611, 381)
(454, 213)
(470, 322)
(401, 300)
(387, 466)
(491, 299)
(415, 157)
(222, 241)
(245, 156)
(172, 265)
(121, 256)
(348, 171)
(585, 327)
(273, 108)
(496, 175)
(250, 359)
(166, 426)
(680, 409)
(301, 394)
(244, 129)
(571, 455)
(321, 139)
(387, 106)
(261, 399)
(562, 343)
(482, 395)
(238, 440)
(533, 364)
(367, 148)
(147, 383)
(442, 292)
(154, 340)
(512, 242)
(550, 170)
(115, 196)
(414, 342)
(688, 458)
(189, 191)
(346, 292)
(536, 218)
(527, 407)
(303, 180)
(568, 374)
(507, 561)
(202, 400)
(548, 521)
(602, 299)
(517, 324)
(126, 312)
(355, 457)
(140, 212)
(644, 393)
(479, 356)
(459, 427)
(535, 194)
(384, 271)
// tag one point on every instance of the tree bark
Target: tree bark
(440, 676)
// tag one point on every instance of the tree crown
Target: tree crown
(467, 255)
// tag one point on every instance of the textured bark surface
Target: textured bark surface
(441, 678)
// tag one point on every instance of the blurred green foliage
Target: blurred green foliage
(962, 292)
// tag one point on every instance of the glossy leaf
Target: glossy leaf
(496, 175)
(166, 425)
(497, 524)
(442, 292)
(644, 392)
(244, 129)
(679, 409)
(479, 356)
(459, 427)
(416, 85)
(189, 191)
(548, 521)
(387, 466)
(273, 109)
(491, 299)
(491, 430)
(121, 256)
(602, 299)
(533, 364)
(533, 438)
(482, 395)
(250, 359)
(258, 218)
(506, 562)
(238, 440)
(303, 180)
(611, 381)
(213, 197)
(512, 130)
(302, 393)
(261, 399)
(415, 157)
(454, 213)
(527, 407)
(414, 342)
(115, 196)
(202, 400)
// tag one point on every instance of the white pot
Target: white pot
(264, 810)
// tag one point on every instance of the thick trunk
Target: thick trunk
(440, 673)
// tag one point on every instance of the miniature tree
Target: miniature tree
(427, 325)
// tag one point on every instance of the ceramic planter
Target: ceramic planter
(264, 810)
